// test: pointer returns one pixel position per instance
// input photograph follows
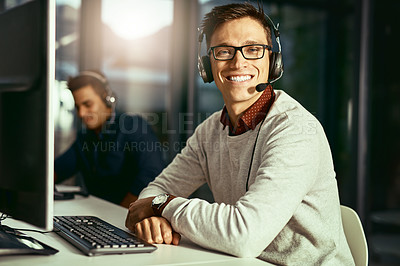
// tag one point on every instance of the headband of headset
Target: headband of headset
(109, 99)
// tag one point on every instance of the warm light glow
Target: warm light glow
(133, 19)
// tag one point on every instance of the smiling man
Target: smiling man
(265, 158)
(117, 154)
(237, 77)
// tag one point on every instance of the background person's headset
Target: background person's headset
(109, 99)
(275, 62)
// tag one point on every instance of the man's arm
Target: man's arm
(182, 177)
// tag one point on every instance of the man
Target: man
(265, 158)
(117, 154)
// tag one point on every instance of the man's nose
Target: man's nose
(238, 60)
(81, 112)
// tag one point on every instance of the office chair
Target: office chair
(355, 236)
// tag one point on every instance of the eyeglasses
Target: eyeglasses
(251, 51)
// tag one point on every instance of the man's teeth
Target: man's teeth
(239, 78)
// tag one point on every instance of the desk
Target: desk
(187, 253)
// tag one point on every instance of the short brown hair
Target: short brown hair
(94, 78)
(225, 13)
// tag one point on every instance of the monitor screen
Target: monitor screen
(26, 122)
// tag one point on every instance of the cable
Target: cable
(255, 142)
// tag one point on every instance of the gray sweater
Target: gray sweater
(290, 214)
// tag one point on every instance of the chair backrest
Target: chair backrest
(355, 236)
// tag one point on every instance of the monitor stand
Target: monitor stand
(13, 242)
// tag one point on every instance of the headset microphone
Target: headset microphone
(262, 86)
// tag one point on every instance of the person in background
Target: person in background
(265, 158)
(117, 154)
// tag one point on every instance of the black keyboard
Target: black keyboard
(94, 236)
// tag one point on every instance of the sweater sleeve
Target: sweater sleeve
(284, 176)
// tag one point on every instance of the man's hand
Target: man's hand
(156, 230)
(153, 229)
(138, 210)
(128, 199)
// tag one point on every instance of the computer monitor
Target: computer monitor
(27, 65)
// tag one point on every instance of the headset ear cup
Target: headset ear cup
(271, 66)
(110, 99)
(201, 69)
(205, 60)
(275, 66)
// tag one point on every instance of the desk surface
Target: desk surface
(187, 253)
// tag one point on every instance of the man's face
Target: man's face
(91, 108)
(237, 78)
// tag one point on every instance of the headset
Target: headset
(109, 99)
(275, 64)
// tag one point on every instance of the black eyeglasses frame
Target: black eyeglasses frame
(239, 48)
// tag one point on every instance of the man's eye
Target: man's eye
(223, 52)
(253, 49)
